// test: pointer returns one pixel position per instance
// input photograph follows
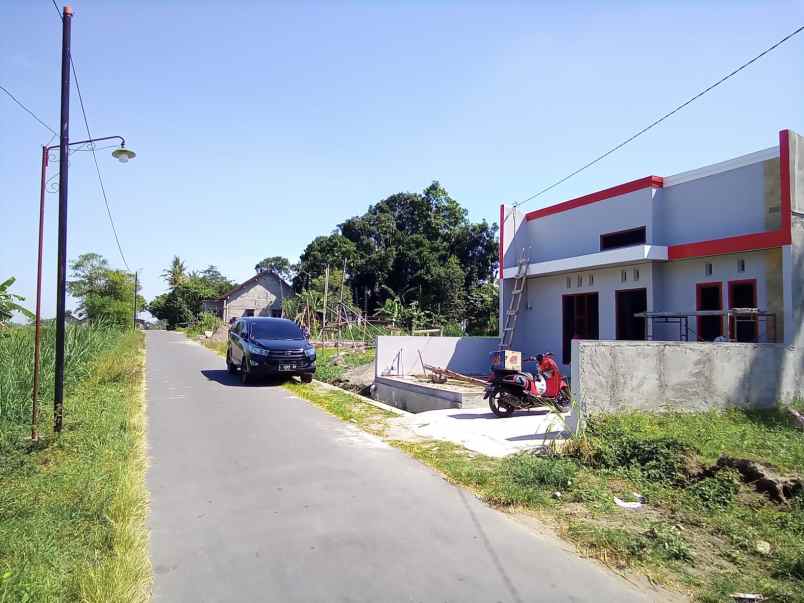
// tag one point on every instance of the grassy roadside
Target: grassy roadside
(707, 534)
(331, 370)
(73, 509)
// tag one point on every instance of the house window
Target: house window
(740, 265)
(569, 282)
(709, 297)
(580, 280)
(708, 269)
(623, 276)
(636, 274)
(580, 320)
(591, 280)
(623, 238)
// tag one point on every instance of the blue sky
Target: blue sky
(259, 125)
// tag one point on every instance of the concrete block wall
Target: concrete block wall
(609, 376)
(399, 355)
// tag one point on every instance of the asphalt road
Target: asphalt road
(257, 495)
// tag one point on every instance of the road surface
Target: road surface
(257, 495)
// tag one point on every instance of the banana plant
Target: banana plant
(8, 302)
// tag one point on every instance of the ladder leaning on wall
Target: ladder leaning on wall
(520, 283)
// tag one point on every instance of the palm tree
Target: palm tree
(176, 273)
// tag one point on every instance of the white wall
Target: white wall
(540, 326)
(577, 231)
(399, 355)
(676, 285)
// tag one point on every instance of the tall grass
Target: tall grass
(82, 344)
(73, 508)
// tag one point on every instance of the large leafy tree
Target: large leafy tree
(102, 292)
(277, 263)
(418, 247)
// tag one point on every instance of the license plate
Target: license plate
(287, 367)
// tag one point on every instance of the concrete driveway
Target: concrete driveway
(259, 496)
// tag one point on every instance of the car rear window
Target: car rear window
(280, 329)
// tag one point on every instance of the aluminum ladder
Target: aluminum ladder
(520, 283)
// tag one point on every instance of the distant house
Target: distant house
(261, 295)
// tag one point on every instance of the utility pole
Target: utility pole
(135, 299)
(326, 290)
(61, 269)
(38, 320)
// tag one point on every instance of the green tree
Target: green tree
(8, 302)
(103, 293)
(176, 273)
(278, 264)
(418, 247)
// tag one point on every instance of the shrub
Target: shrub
(659, 458)
(668, 542)
(716, 491)
(539, 471)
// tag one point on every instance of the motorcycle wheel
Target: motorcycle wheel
(563, 401)
(500, 408)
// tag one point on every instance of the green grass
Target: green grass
(343, 405)
(82, 344)
(73, 508)
(326, 368)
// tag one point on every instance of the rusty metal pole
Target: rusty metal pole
(61, 268)
(38, 317)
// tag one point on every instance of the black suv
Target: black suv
(269, 346)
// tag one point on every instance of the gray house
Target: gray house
(665, 258)
(261, 295)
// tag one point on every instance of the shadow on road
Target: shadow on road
(490, 415)
(223, 377)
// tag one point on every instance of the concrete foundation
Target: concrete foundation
(408, 394)
(609, 376)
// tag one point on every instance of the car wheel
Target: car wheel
(245, 376)
(231, 367)
(307, 378)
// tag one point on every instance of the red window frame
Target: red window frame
(699, 319)
(730, 285)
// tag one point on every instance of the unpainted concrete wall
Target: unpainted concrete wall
(399, 355)
(263, 295)
(610, 376)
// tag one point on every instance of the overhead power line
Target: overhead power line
(31, 113)
(94, 156)
(661, 119)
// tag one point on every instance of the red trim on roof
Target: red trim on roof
(614, 191)
(738, 244)
(502, 238)
(758, 240)
(784, 176)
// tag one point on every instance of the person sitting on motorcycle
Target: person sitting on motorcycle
(551, 372)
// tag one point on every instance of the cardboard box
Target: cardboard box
(506, 360)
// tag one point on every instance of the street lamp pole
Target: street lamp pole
(61, 267)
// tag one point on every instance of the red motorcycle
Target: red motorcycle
(510, 390)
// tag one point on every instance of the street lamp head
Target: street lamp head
(123, 154)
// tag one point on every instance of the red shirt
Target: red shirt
(552, 375)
